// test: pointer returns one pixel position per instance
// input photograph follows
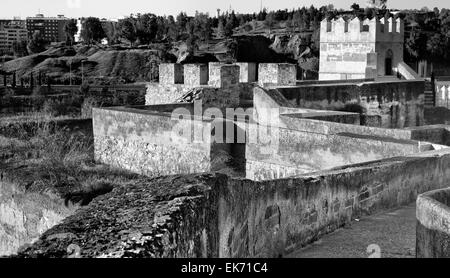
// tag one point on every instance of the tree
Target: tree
(270, 21)
(111, 32)
(220, 28)
(228, 32)
(297, 19)
(37, 43)
(92, 31)
(70, 28)
(128, 30)
(355, 7)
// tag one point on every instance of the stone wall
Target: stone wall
(433, 219)
(171, 74)
(151, 143)
(399, 104)
(357, 48)
(215, 216)
(277, 74)
(195, 74)
(165, 94)
(282, 152)
(247, 72)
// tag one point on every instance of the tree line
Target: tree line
(427, 36)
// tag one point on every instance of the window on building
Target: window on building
(328, 26)
(365, 28)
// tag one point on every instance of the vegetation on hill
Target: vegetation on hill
(138, 43)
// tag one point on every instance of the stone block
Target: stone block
(171, 74)
(247, 72)
(277, 74)
(195, 74)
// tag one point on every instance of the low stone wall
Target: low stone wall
(215, 216)
(399, 104)
(433, 224)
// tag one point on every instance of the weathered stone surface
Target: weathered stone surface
(433, 224)
(195, 74)
(170, 74)
(399, 103)
(349, 48)
(25, 215)
(282, 152)
(277, 74)
(162, 217)
(150, 143)
(215, 216)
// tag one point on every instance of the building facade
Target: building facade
(51, 28)
(358, 49)
(11, 30)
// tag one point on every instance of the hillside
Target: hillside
(119, 64)
(96, 63)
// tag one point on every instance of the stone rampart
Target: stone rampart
(433, 224)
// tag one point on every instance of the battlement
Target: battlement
(367, 30)
(247, 72)
(277, 74)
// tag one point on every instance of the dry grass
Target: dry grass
(56, 158)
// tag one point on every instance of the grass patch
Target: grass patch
(46, 156)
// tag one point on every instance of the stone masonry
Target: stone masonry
(277, 74)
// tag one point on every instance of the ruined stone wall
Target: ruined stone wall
(399, 104)
(214, 216)
(151, 143)
(433, 218)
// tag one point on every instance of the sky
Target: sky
(120, 8)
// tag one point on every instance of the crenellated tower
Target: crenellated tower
(358, 49)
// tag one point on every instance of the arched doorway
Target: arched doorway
(388, 62)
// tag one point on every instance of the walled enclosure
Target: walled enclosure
(215, 216)
(433, 224)
(358, 49)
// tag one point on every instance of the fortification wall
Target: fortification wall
(214, 216)
(433, 218)
(277, 74)
(151, 143)
(282, 152)
(397, 104)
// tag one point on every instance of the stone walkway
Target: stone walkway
(394, 232)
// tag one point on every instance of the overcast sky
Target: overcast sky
(120, 8)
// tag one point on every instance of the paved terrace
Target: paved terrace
(394, 232)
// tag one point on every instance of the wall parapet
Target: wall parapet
(433, 224)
